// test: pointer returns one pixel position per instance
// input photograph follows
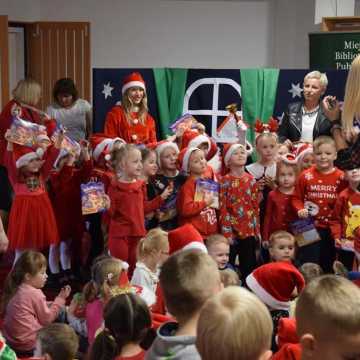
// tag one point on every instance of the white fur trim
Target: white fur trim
(120, 140)
(160, 148)
(230, 152)
(196, 141)
(100, 148)
(125, 265)
(63, 152)
(131, 84)
(264, 296)
(249, 148)
(42, 137)
(25, 159)
(197, 245)
(307, 151)
(185, 162)
(147, 295)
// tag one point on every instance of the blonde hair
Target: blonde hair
(329, 304)
(105, 274)
(127, 106)
(118, 155)
(229, 277)
(280, 234)
(235, 324)
(27, 91)
(351, 107)
(319, 76)
(282, 163)
(156, 239)
(322, 140)
(216, 239)
(310, 271)
(188, 278)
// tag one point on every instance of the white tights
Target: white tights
(65, 258)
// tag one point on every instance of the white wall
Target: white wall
(185, 33)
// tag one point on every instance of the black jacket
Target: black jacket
(290, 126)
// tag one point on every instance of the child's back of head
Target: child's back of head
(57, 342)
(188, 278)
(328, 319)
(234, 324)
(127, 320)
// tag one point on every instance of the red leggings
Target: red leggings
(124, 248)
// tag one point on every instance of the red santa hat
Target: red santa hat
(133, 80)
(100, 145)
(289, 158)
(185, 237)
(192, 138)
(302, 150)
(274, 284)
(23, 155)
(162, 145)
(229, 149)
(184, 158)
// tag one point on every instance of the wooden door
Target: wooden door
(56, 50)
(4, 61)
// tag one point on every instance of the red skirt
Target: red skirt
(32, 223)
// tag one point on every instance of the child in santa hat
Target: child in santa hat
(279, 213)
(167, 155)
(131, 120)
(304, 156)
(235, 324)
(32, 223)
(328, 319)
(276, 284)
(65, 181)
(198, 213)
(129, 204)
(239, 209)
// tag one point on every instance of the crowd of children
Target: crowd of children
(172, 232)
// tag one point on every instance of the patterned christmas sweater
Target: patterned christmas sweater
(346, 219)
(317, 192)
(239, 206)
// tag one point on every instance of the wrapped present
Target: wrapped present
(92, 198)
(207, 186)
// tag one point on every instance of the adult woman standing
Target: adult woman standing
(70, 111)
(305, 120)
(26, 96)
(131, 120)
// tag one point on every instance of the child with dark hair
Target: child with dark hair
(127, 322)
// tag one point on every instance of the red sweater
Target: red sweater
(346, 220)
(117, 125)
(317, 192)
(279, 213)
(195, 212)
(65, 190)
(128, 206)
(239, 206)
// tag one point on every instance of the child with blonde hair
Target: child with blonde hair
(282, 246)
(24, 304)
(328, 319)
(152, 251)
(188, 278)
(229, 277)
(218, 248)
(234, 324)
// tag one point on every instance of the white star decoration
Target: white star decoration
(295, 90)
(107, 90)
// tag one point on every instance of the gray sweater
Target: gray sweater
(168, 346)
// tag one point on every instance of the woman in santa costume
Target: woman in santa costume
(131, 120)
(32, 223)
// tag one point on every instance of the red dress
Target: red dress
(117, 125)
(32, 223)
(65, 190)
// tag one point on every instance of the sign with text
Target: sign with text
(333, 50)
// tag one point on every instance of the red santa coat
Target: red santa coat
(195, 212)
(65, 186)
(128, 208)
(278, 214)
(32, 223)
(117, 125)
(346, 219)
(318, 192)
(239, 206)
(6, 119)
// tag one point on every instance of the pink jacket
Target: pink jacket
(25, 314)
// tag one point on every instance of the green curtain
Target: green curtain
(170, 90)
(258, 92)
